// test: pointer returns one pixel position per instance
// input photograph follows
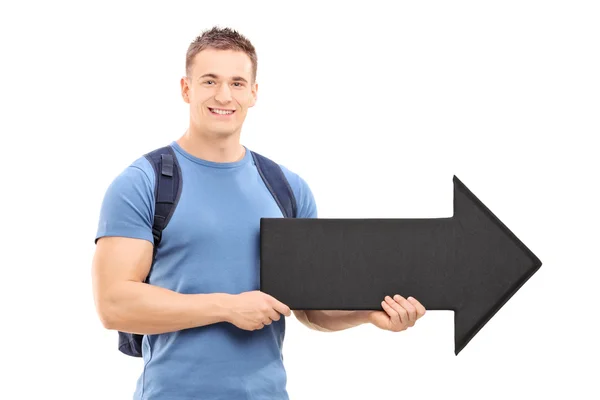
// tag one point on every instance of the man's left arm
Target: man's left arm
(398, 315)
(331, 320)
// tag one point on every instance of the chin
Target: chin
(223, 133)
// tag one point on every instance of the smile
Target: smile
(220, 111)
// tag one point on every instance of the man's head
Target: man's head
(220, 82)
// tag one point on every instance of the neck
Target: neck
(223, 149)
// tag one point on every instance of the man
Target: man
(209, 332)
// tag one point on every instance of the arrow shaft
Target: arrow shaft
(410, 257)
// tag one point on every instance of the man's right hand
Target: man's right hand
(253, 310)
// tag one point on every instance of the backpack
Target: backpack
(168, 185)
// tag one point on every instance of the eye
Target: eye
(238, 83)
(208, 81)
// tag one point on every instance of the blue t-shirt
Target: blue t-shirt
(210, 245)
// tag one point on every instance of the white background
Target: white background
(377, 105)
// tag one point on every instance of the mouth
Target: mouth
(221, 112)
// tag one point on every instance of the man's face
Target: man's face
(219, 91)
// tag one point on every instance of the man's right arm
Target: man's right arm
(125, 303)
(124, 246)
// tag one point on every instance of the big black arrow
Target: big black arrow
(470, 263)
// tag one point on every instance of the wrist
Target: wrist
(362, 316)
(214, 306)
(224, 304)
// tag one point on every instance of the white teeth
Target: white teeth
(222, 112)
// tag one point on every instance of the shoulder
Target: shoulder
(305, 199)
(138, 175)
(142, 169)
(127, 207)
(139, 170)
(294, 179)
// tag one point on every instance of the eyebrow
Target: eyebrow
(214, 76)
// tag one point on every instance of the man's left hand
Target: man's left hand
(399, 313)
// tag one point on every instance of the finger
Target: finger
(420, 309)
(280, 307)
(274, 315)
(411, 310)
(391, 312)
(402, 315)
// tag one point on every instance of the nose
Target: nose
(223, 95)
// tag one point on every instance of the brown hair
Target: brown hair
(221, 39)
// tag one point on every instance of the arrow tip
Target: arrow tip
(499, 271)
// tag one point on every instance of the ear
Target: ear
(185, 89)
(254, 94)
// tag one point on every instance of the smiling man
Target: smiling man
(220, 88)
(208, 332)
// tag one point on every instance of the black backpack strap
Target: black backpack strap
(277, 184)
(167, 191)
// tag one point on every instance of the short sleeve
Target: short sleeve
(128, 206)
(305, 200)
